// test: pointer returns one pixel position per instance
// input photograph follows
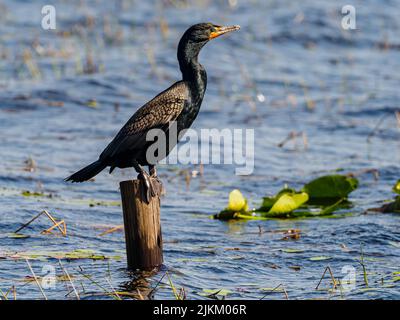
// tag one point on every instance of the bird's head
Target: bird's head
(198, 35)
(203, 32)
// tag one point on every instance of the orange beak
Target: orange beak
(219, 31)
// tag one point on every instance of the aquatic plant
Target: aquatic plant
(326, 193)
(392, 206)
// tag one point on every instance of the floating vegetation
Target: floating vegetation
(92, 103)
(286, 201)
(27, 193)
(320, 258)
(102, 203)
(56, 199)
(237, 207)
(331, 188)
(320, 197)
(289, 250)
(393, 206)
(76, 254)
(17, 236)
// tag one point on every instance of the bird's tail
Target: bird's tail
(87, 172)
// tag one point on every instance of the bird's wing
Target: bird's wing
(157, 113)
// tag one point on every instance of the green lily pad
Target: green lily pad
(285, 202)
(268, 202)
(324, 212)
(288, 203)
(330, 187)
(70, 255)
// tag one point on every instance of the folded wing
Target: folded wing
(157, 113)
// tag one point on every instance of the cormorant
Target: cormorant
(180, 102)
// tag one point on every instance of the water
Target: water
(337, 87)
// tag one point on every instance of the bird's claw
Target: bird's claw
(152, 186)
(157, 185)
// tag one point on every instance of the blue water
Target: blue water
(291, 67)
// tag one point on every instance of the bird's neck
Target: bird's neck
(195, 75)
(193, 72)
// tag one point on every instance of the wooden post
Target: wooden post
(142, 227)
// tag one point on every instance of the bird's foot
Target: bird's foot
(156, 185)
(152, 186)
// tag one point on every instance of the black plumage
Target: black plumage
(181, 103)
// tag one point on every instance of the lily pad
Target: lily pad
(268, 202)
(320, 213)
(287, 203)
(70, 255)
(330, 188)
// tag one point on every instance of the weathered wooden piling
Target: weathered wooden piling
(142, 227)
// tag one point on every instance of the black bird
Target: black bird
(181, 103)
